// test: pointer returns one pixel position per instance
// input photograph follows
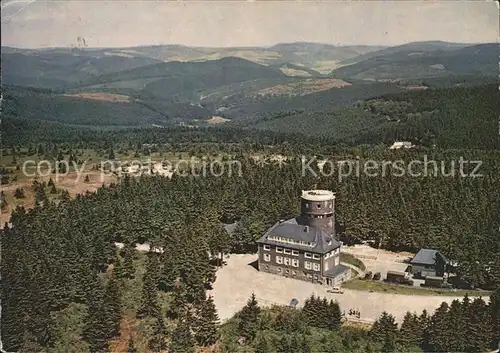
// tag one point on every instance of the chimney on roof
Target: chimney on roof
(306, 229)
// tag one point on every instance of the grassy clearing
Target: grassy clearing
(376, 286)
(350, 259)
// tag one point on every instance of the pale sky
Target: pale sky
(41, 23)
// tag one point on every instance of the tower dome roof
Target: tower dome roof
(318, 195)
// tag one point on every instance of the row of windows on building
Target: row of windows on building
(320, 216)
(280, 260)
(307, 255)
(318, 205)
(294, 273)
(332, 253)
(292, 252)
(291, 241)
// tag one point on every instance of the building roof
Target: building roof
(336, 271)
(322, 242)
(401, 144)
(318, 195)
(230, 227)
(427, 257)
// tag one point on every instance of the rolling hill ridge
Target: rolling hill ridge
(412, 62)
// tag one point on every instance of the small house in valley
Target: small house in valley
(401, 144)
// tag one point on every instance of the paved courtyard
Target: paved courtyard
(378, 260)
(238, 279)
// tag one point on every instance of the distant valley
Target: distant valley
(287, 87)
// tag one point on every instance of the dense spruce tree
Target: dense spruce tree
(334, 318)
(494, 311)
(131, 346)
(459, 314)
(169, 273)
(262, 344)
(321, 313)
(249, 319)
(149, 305)
(96, 331)
(246, 233)
(369, 348)
(311, 311)
(157, 342)
(410, 332)
(19, 193)
(438, 332)
(389, 344)
(182, 339)
(118, 268)
(206, 323)
(128, 270)
(423, 325)
(385, 330)
(179, 303)
(40, 195)
(286, 319)
(478, 327)
(112, 306)
(304, 346)
(284, 345)
(53, 190)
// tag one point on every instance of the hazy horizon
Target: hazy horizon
(242, 46)
(35, 24)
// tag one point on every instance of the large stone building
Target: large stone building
(305, 247)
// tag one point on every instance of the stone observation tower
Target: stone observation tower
(318, 210)
(305, 247)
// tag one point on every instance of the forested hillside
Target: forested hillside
(72, 277)
(61, 69)
(314, 102)
(408, 48)
(97, 110)
(413, 62)
(66, 66)
(81, 271)
(447, 117)
(317, 328)
(184, 76)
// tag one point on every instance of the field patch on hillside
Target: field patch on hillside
(217, 120)
(303, 87)
(294, 72)
(263, 57)
(326, 66)
(108, 97)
